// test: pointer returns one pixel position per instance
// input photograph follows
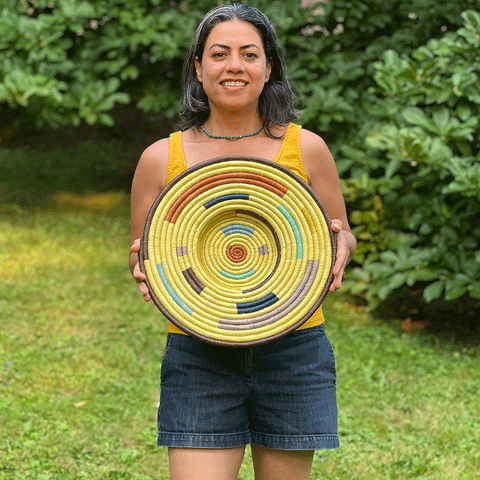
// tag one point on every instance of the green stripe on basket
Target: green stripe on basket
(239, 276)
(296, 232)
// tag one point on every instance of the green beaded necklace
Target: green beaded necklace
(218, 137)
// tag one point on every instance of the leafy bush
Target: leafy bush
(67, 61)
(416, 184)
(332, 64)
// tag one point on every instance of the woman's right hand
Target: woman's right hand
(138, 275)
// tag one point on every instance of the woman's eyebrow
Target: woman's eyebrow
(243, 47)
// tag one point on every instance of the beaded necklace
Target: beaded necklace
(218, 137)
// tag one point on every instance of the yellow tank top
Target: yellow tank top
(289, 156)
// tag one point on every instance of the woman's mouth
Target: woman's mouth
(233, 83)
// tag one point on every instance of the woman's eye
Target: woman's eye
(218, 54)
(250, 55)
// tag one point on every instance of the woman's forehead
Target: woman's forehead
(234, 31)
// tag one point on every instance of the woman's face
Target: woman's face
(233, 68)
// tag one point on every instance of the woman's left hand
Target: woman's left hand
(343, 253)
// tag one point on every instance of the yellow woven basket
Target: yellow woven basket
(238, 251)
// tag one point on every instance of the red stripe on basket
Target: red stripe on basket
(222, 179)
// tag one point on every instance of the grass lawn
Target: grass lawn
(80, 356)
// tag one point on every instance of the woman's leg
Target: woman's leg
(281, 464)
(205, 463)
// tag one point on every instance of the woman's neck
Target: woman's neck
(232, 124)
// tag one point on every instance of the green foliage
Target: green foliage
(424, 169)
(331, 65)
(67, 61)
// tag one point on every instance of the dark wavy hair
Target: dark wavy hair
(276, 100)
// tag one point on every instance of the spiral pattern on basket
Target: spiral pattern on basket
(238, 251)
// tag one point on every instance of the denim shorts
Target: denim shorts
(278, 395)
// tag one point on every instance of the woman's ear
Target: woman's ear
(268, 70)
(198, 68)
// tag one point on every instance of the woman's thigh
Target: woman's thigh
(205, 463)
(281, 464)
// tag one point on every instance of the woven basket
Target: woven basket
(237, 251)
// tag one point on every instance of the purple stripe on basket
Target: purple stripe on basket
(263, 250)
(181, 251)
(290, 304)
(193, 280)
(277, 245)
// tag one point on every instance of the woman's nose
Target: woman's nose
(234, 63)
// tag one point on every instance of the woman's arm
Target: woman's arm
(323, 178)
(148, 182)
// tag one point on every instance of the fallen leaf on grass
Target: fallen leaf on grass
(408, 325)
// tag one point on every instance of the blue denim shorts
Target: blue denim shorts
(279, 395)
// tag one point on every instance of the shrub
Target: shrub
(415, 185)
(67, 61)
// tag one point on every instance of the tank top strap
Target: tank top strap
(290, 154)
(176, 159)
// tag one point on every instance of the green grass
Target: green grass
(80, 356)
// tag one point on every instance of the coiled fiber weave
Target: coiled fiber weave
(237, 251)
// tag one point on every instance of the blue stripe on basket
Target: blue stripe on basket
(296, 232)
(255, 306)
(224, 198)
(237, 228)
(170, 290)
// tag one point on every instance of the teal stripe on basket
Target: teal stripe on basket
(240, 276)
(296, 232)
(237, 228)
(170, 290)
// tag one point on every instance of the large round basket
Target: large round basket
(237, 251)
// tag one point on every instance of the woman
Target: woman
(280, 397)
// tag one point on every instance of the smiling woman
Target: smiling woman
(280, 396)
(275, 100)
(233, 71)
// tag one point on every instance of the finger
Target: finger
(138, 274)
(338, 277)
(135, 248)
(338, 271)
(336, 284)
(337, 225)
(143, 288)
(341, 260)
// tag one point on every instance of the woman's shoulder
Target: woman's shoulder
(153, 163)
(316, 155)
(156, 151)
(310, 140)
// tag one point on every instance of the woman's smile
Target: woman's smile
(233, 83)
